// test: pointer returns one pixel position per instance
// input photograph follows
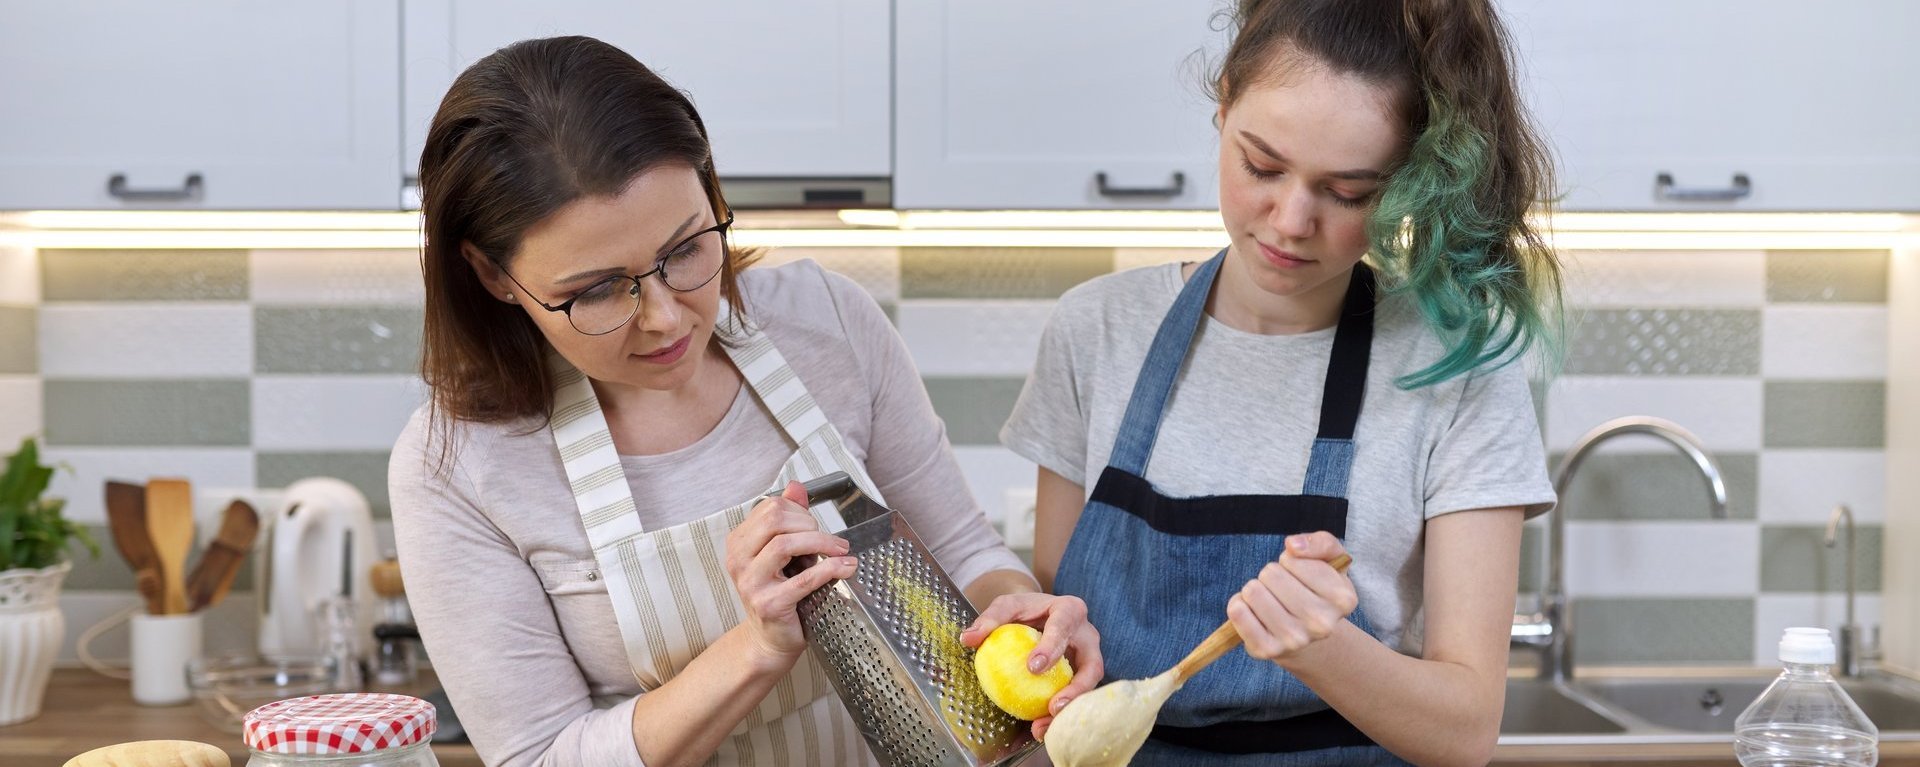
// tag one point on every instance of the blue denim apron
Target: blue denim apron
(1156, 572)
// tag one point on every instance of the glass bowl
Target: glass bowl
(226, 688)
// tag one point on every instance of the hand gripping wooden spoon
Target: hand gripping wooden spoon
(1105, 727)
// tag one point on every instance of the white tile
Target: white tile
(117, 340)
(1726, 413)
(1773, 614)
(336, 277)
(992, 471)
(85, 486)
(229, 628)
(332, 412)
(1662, 278)
(876, 269)
(1822, 341)
(21, 413)
(1803, 486)
(1662, 559)
(1134, 258)
(969, 337)
(19, 275)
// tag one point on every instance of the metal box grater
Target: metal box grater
(889, 638)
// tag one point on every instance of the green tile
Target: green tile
(1666, 342)
(1658, 486)
(19, 339)
(143, 275)
(109, 572)
(1847, 276)
(148, 413)
(974, 408)
(336, 339)
(1636, 631)
(1798, 559)
(998, 272)
(366, 471)
(1826, 414)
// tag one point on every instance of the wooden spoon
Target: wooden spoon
(170, 525)
(1107, 726)
(127, 520)
(213, 576)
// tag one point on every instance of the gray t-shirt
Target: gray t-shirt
(1243, 414)
(503, 581)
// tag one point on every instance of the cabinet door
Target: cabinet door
(787, 89)
(200, 104)
(1060, 104)
(1726, 104)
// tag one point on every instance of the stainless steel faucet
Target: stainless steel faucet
(1849, 644)
(1550, 630)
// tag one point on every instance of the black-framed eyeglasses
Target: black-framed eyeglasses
(608, 305)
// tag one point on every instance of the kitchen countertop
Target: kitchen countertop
(84, 711)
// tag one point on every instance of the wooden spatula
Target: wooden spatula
(127, 520)
(170, 525)
(221, 561)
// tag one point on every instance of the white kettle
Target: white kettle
(320, 544)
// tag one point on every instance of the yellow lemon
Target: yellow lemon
(1001, 665)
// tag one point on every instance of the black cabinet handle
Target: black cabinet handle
(1108, 190)
(1665, 191)
(189, 189)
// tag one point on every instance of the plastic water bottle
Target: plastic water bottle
(1804, 719)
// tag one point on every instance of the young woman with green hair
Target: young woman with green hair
(1340, 379)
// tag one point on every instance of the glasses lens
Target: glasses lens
(606, 306)
(694, 263)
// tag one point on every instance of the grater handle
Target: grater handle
(819, 489)
(828, 487)
(1224, 639)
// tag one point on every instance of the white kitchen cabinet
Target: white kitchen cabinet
(1062, 104)
(786, 89)
(115, 104)
(1681, 105)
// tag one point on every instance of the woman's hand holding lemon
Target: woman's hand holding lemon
(1029, 673)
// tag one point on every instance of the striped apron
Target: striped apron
(671, 596)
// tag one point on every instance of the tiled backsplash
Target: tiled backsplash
(255, 368)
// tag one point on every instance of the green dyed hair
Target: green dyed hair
(1450, 226)
(1480, 275)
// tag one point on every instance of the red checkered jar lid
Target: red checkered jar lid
(349, 723)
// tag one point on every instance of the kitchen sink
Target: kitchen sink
(1711, 704)
(1539, 708)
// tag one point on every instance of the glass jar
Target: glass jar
(359, 729)
(416, 755)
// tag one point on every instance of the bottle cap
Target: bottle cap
(1807, 645)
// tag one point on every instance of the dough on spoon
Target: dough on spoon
(1105, 727)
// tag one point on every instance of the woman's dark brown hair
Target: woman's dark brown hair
(1451, 226)
(524, 132)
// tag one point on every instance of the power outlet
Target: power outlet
(1018, 514)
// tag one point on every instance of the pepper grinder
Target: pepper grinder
(395, 633)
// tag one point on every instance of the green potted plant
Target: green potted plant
(33, 562)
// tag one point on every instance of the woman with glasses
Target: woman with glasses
(595, 509)
(1337, 380)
